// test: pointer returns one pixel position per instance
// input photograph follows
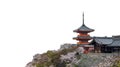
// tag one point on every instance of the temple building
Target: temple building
(106, 44)
(98, 44)
(83, 34)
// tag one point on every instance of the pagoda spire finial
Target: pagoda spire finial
(83, 18)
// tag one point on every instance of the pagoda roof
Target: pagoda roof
(84, 28)
(82, 37)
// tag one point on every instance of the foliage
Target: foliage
(45, 64)
(39, 65)
(50, 54)
(75, 65)
(65, 51)
(116, 64)
(61, 64)
(54, 58)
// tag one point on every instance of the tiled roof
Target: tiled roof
(82, 37)
(109, 41)
(84, 28)
(103, 40)
(115, 43)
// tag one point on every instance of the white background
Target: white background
(28, 27)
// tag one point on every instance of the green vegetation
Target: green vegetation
(53, 58)
(76, 65)
(39, 65)
(65, 51)
(45, 64)
(116, 64)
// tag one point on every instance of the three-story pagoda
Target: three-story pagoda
(83, 34)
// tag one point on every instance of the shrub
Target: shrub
(116, 64)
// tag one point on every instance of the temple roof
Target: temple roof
(83, 28)
(109, 41)
(103, 40)
(115, 43)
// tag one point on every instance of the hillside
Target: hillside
(67, 56)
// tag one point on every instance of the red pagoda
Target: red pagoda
(83, 34)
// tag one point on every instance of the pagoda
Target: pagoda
(83, 36)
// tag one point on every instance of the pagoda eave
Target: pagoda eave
(80, 31)
(76, 38)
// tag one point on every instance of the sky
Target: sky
(28, 27)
